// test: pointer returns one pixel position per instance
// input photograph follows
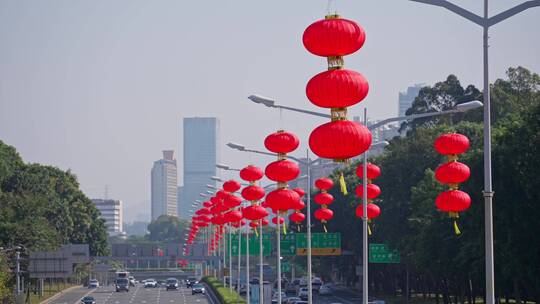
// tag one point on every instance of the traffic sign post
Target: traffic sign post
(379, 253)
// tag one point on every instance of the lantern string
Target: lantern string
(456, 228)
(342, 184)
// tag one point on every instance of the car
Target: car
(303, 293)
(150, 283)
(197, 288)
(131, 281)
(93, 283)
(316, 283)
(122, 284)
(291, 288)
(301, 302)
(283, 298)
(191, 281)
(376, 301)
(325, 290)
(172, 283)
(88, 300)
(292, 300)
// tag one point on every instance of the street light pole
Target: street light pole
(278, 238)
(486, 22)
(247, 264)
(261, 287)
(365, 265)
(230, 258)
(308, 230)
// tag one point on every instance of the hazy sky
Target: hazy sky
(100, 87)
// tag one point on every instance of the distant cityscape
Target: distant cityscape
(201, 152)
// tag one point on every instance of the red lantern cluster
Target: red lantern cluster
(282, 171)
(324, 199)
(337, 88)
(297, 216)
(373, 191)
(452, 173)
(253, 193)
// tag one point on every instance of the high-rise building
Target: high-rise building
(406, 99)
(111, 211)
(201, 153)
(164, 186)
(179, 200)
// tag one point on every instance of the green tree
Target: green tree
(167, 229)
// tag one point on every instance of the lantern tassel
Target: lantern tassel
(256, 232)
(456, 228)
(368, 230)
(284, 228)
(298, 228)
(324, 227)
(342, 184)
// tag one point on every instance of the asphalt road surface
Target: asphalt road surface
(136, 295)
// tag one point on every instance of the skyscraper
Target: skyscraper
(111, 211)
(406, 99)
(201, 153)
(164, 186)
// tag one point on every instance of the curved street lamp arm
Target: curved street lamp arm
(410, 117)
(513, 11)
(303, 111)
(456, 9)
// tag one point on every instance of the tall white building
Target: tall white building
(406, 99)
(164, 186)
(111, 211)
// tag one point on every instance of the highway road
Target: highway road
(136, 295)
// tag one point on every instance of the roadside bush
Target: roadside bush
(224, 294)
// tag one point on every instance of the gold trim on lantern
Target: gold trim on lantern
(338, 114)
(332, 16)
(335, 62)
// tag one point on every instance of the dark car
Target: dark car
(172, 283)
(191, 281)
(197, 288)
(88, 300)
(122, 284)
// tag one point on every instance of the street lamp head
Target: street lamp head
(383, 143)
(466, 106)
(223, 166)
(203, 195)
(210, 186)
(269, 102)
(236, 146)
(210, 192)
(216, 178)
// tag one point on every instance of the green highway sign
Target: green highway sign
(379, 253)
(288, 244)
(253, 244)
(321, 244)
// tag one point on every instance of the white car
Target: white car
(293, 300)
(150, 283)
(93, 283)
(325, 290)
(303, 293)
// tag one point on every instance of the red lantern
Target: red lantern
(233, 216)
(251, 173)
(452, 173)
(231, 186)
(232, 201)
(253, 193)
(297, 217)
(275, 220)
(337, 88)
(265, 222)
(254, 224)
(373, 171)
(340, 140)
(298, 205)
(324, 214)
(281, 142)
(451, 143)
(299, 191)
(324, 183)
(324, 198)
(282, 171)
(254, 212)
(333, 36)
(373, 191)
(282, 199)
(373, 211)
(221, 194)
(453, 201)
(207, 204)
